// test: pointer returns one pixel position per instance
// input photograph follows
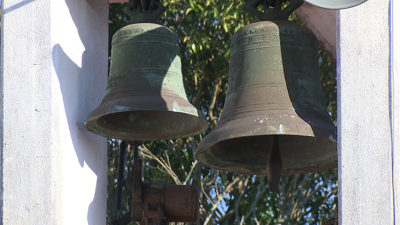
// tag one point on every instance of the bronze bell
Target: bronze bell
(274, 93)
(145, 97)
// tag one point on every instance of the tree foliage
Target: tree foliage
(205, 29)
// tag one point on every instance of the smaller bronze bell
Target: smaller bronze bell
(145, 97)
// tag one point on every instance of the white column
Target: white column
(364, 120)
(395, 46)
(53, 73)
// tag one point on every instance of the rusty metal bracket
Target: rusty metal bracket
(275, 13)
(157, 204)
(153, 217)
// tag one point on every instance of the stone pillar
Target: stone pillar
(365, 120)
(53, 73)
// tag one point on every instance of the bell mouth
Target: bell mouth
(307, 143)
(146, 125)
(248, 155)
(146, 118)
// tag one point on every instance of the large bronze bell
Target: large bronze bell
(145, 97)
(274, 93)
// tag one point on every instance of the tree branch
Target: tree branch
(214, 94)
(147, 153)
(228, 189)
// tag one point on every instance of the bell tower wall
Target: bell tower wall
(368, 62)
(54, 66)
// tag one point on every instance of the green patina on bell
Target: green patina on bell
(145, 97)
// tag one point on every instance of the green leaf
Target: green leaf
(226, 28)
(188, 10)
(194, 48)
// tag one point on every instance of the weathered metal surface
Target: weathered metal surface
(181, 203)
(274, 89)
(157, 203)
(154, 217)
(322, 22)
(145, 98)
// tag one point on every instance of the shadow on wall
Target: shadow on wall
(17, 6)
(155, 94)
(87, 16)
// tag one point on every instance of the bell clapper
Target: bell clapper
(274, 165)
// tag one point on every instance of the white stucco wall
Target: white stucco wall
(395, 25)
(53, 73)
(367, 170)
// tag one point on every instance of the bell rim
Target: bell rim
(256, 126)
(205, 151)
(91, 123)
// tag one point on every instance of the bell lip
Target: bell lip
(227, 130)
(205, 151)
(103, 110)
